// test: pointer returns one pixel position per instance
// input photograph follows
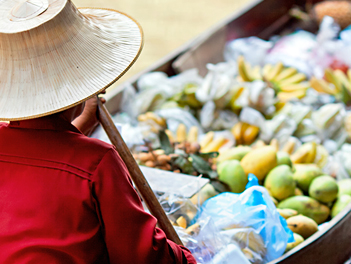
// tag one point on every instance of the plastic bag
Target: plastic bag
(253, 49)
(259, 227)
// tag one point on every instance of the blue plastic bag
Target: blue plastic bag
(252, 211)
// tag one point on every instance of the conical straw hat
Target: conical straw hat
(53, 57)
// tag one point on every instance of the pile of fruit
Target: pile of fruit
(273, 121)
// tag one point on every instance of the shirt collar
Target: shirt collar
(51, 122)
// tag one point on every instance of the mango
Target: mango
(344, 187)
(340, 204)
(298, 191)
(306, 206)
(259, 161)
(304, 174)
(324, 189)
(302, 225)
(298, 240)
(283, 158)
(233, 175)
(287, 213)
(236, 153)
(280, 182)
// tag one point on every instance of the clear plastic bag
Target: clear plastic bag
(251, 220)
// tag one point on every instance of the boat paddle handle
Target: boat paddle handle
(137, 176)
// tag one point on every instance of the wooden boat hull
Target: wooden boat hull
(262, 19)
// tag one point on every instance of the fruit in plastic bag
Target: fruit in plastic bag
(259, 161)
(306, 206)
(324, 189)
(205, 193)
(280, 182)
(231, 173)
(249, 238)
(298, 240)
(302, 225)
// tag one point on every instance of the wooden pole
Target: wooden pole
(137, 176)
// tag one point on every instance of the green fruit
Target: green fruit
(344, 187)
(307, 206)
(283, 158)
(302, 225)
(324, 189)
(287, 213)
(298, 191)
(236, 153)
(298, 240)
(233, 175)
(304, 174)
(340, 204)
(280, 182)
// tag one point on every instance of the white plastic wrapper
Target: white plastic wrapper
(252, 48)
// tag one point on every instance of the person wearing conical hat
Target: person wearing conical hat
(65, 197)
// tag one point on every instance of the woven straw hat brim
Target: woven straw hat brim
(63, 57)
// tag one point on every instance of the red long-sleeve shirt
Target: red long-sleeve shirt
(67, 198)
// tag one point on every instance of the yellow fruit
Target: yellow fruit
(302, 225)
(305, 154)
(347, 125)
(247, 237)
(259, 161)
(274, 71)
(288, 96)
(296, 78)
(298, 240)
(295, 87)
(286, 73)
(258, 144)
(236, 131)
(236, 153)
(330, 77)
(265, 70)
(193, 230)
(181, 221)
(207, 139)
(275, 144)
(250, 134)
(322, 86)
(289, 147)
(244, 70)
(181, 133)
(321, 156)
(287, 213)
(193, 134)
(170, 135)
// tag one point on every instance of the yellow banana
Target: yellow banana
(289, 147)
(284, 74)
(243, 69)
(142, 118)
(193, 134)
(207, 139)
(170, 135)
(214, 145)
(266, 69)
(330, 77)
(296, 78)
(250, 133)
(158, 120)
(305, 154)
(322, 86)
(295, 87)
(181, 133)
(274, 143)
(181, 221)
(274, 71)
(236, 131)
(287, 96)
(258, 144)
(256, 73)
(341, 76)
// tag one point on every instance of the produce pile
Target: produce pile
(285, 121)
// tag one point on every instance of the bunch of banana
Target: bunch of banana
(244, 133)
(287, 81)
(182, 135)
(310, 152)
(335, 83)
(155, 122)
(210, 143)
